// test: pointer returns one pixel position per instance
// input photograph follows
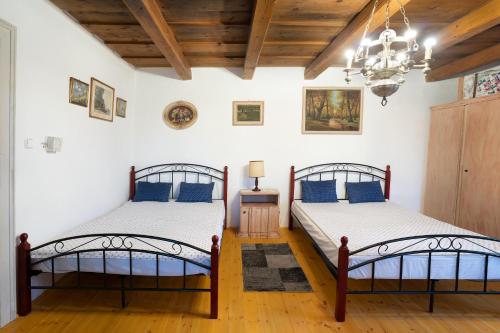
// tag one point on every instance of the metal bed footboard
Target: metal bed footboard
(425, 245)
(78, 247)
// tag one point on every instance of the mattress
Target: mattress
(368, 223)
(191, 223)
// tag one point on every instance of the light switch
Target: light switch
(28, 143)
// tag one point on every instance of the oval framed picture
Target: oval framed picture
(180, 115)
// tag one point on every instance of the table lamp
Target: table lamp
(256, 170)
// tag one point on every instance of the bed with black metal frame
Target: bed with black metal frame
(156, 247)
(434, 243)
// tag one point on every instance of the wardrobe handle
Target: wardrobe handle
(466, 170)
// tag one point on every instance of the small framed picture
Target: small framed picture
(78, 92)
(469, 86)
(488, 82)
(121, 107)
(248, 113)
(102, 98)
(180, 115)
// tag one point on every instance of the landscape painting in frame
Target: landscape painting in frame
(248, 113)
(78, 92)
(121, 107)
(331, 110)
(102, 99)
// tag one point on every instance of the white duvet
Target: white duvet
(368, 223)
(192, 223)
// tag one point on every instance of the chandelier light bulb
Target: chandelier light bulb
(349, 54)
(366, 42)
(430, 42)
(410, 34)
(371, 61)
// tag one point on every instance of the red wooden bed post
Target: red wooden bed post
(225, 196)
(387, 190)
(132, 183)
(214, 278)
(23, 276)
(342, 272)
(292, 194)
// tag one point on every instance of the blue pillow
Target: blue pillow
(195, 192)
(319, 191)
(364, 192)
(145, 191)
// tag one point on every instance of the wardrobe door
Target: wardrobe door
(443, 163)
(479, 208)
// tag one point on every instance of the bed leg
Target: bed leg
(23, 276)
(225, 196)
(431, 297)
(342, 272)
(122, 291)
(214, 278)
(291, 196)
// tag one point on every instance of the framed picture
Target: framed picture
(121, 107)
(102, 98)
(469, 86)
(332, 110)
(78, 92)
(248, 113)
(488, 82)
(180, 115)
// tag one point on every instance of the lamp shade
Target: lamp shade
(256, 169)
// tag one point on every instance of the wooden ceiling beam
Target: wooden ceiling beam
(482, 58)
(261, 21)
(477, 21)
(349, 36)
(196, 61)
(151, 18)
(336, 23)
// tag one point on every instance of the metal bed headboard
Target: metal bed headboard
(342, 172)
(176, 173)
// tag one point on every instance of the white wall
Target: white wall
(89, 177)
(396, 134)
(54, 192)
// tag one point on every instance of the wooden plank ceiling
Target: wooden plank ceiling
(299, 33)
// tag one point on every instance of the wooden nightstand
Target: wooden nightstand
(259, 213)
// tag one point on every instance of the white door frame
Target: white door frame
(7, 237)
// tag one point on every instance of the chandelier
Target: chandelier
(385, 61)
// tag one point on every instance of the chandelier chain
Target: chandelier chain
(387, 23)
(403, 12)
(365, 32)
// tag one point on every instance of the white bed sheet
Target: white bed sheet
(192, 223)
(368, 223)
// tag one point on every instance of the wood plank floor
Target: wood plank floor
(89, 311)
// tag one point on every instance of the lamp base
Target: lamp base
(256, 188)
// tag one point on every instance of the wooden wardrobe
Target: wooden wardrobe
(463, 167)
